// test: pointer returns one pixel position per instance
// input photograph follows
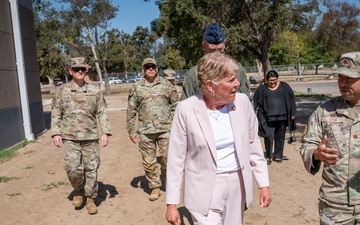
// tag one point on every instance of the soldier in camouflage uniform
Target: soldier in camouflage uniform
(154, 100)
(75, 111)
(332, 136)
(214, 40)
(169, 75)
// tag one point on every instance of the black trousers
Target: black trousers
(276, 134)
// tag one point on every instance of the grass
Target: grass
(9, 153)
(29, 167)
(4, 179)
(52, 185)
(28, 152)
(13, 194)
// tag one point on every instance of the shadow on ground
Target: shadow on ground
(104, 191)
(141, 182)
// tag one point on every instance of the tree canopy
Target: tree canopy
(255, 30)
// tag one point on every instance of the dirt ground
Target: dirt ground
(41, 194)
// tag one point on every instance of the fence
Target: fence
(283, 70)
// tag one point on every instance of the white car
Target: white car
(114, 80)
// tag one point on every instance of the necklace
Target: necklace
(214, 114)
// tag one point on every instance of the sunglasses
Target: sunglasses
(83, 69)
(148, 66)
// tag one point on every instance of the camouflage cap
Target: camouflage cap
(350, 65)
(78, 62)
(169, 74)
(149, 61)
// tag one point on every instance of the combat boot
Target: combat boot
(155, 194)
(91, 207)
(78, 198)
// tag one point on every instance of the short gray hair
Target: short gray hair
(213, 66)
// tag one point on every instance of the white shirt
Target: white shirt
(226, 156)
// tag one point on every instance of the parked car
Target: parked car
(129, 80)
(255, 79)
(113, 80)
(180, 76)
(137, 78)
(57, 82)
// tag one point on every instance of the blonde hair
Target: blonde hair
(213, 66)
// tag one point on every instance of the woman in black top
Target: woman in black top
(274, 103)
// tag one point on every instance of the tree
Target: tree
(87, 23)
(249, 25)
(49, 55)
(317, 55)
(339, 28)
(174, 60)
(292, 45)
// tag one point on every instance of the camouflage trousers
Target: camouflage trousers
(331, 213)
(81, 161)
(147, 147)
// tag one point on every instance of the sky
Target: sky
(133, 13)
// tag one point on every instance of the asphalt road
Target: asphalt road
(328, 87)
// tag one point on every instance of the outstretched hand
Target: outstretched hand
(327, 155)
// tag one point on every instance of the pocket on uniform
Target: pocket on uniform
(91, 103)
(336, 138)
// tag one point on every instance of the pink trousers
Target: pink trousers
(228, 201)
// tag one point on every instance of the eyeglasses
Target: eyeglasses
(83, 69)
(148, 66)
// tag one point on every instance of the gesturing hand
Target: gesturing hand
(327, 155)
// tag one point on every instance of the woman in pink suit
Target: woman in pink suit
(214, 143)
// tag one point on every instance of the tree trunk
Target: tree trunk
(260, 67)
(266, 65)
(96, 59)
(299, 69)
(51, 80)
(107, 86)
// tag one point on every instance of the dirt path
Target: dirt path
(42, 194)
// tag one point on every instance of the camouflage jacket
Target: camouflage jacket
(178, 90)
(191, 83)
(154, 103)
(75, 111)
(336, 119)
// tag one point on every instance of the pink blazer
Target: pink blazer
(192, 152)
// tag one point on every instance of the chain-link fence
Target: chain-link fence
(307, 70)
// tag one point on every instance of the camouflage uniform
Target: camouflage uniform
(154, 103)
(341, 187)
(191, 83)
(75, 111)
(178, 90)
